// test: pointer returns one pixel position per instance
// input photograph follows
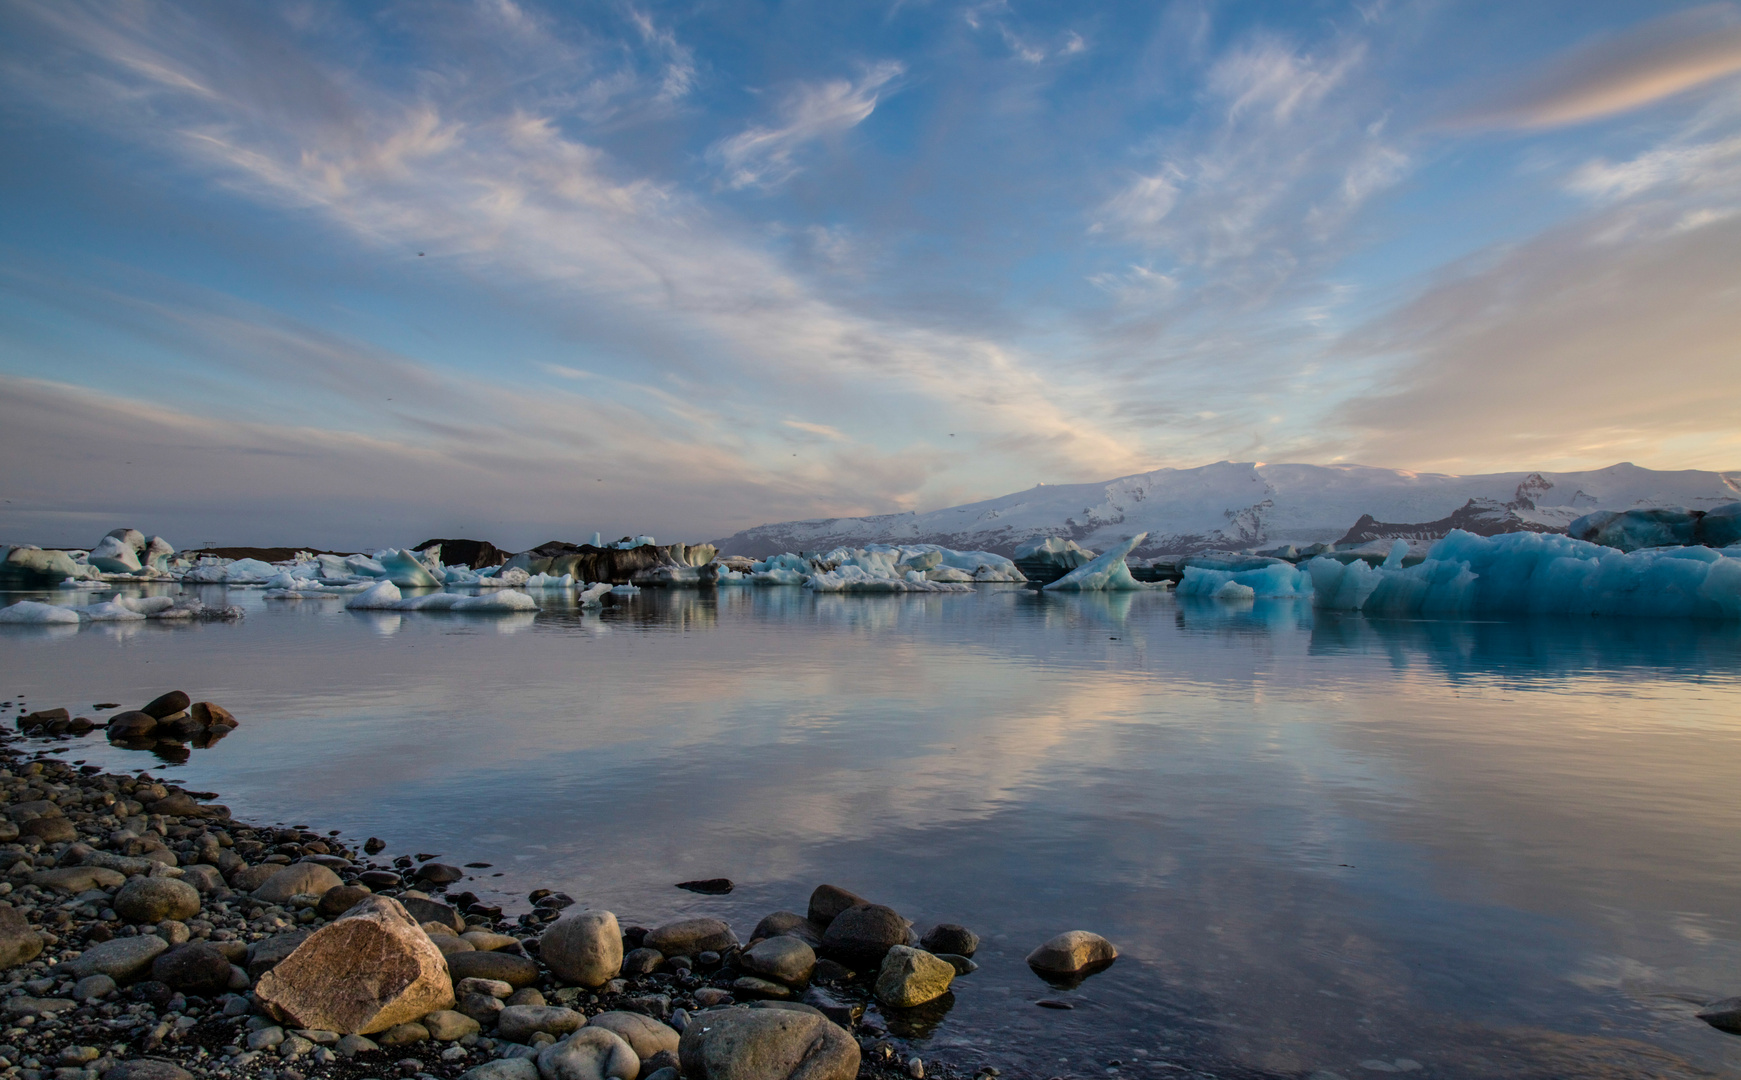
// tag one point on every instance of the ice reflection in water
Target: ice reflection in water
(1323, 842)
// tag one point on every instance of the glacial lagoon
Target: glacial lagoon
(1325, 843)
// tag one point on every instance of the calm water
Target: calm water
(1322, 842)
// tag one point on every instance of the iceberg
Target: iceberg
(37, 613)
(33, 567)
(385, 596)
(549, 581)
(1107, 573)
(1279, 579)
(593, 595)
(625, 590)
(1233, 590)
(115, 555)
(1669, 526)
(403, 568)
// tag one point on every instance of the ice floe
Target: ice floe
(385, 596)
(1106, 573)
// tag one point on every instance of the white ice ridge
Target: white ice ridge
(1513, 574)
(385, 596)
(120, 609)
(880, 568)
(1108, 573)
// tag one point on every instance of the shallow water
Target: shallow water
(1322, 842)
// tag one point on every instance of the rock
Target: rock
(131, 725)
(266, 954)
(122, 959)
(207, 714)
(248, 878)
(439, 873)
(93, 988)
(483, 1008)
(782, 959)
(840, 1010)
(518, 1023)
(489, 941)
(32, 809)
(154, 899)
(503, 1069)
(527, 995)
(516, 971)
(168, 705)
(950, 938)
(352, 1045)
(645, 1035)
(687, 937)
(831, 972)
(828, 901)
(446, 1025)
(404, 1035)
(753, 987)
(584, 947)
(642, 961)
(296, 879)
(364, 973)
(912, 977)
(713, 886)
(790, 924)
(425, 910)
(197, 968)
(202, 877)
(961, 964)
(177, 804)
(592, 1053)
(50, 830)
(709, 996)
(865, 932)
(380, 879)
(492, 987)
(1723, 1015)
(19, 943)
(148, 1069)
(1072, 952)
(767, 1044)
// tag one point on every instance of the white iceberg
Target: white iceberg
(1107, 573)
(115, 555)
(1233, 590)
(858, 579)
(385, 596)
(37, 613)
(405, 569)
(625, 590)
(548, 581)
(593, 595)
(1278, 579)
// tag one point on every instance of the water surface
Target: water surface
(1324, 843)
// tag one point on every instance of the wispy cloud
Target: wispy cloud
(766, 156)
(1659, 59)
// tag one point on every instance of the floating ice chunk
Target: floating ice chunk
(948, 573)
(114, 555)
(405, 569)
(110, 611)
(779, 576)
(385, 596)
(382, 596)
(1107, 573)
(157, 554)
(547, 581)
(34, 612)
(364, 566)
(597, 541)
(857, 579)
(1054, 551)
(1233, 590)
(625, 590)
(29, 565)
(506, 577)
(593, 595)
(1277, 579)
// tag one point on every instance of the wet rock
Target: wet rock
(19, 943)
(518, 1023)
(831, 972)
(865, 932)
(248, 878)
(592, 1053)
(961, 964)
(340, 899)
(767, 1044)
(154, 899)
(584, 947)
(645, 1035)
(789, 924)
(32, 809)
(486, 941)
(782, 959)
(178, 804)
(716, 886)
(492, 987)
(266, 954)
(516, 971)
(352, 1045)
(950, 938)
(752, 987)
(439, 873)
(126, 726)
(527, 995)
(1071, 953)
(448, 944)
(484, 1008)
(312, 879)
(642, 961)
(364, 973)
(123, 959)
(840, 1010)
(202, 877)
(433, 911)
(197, 968)
(207, 714)
(1723, 1015)
(687, 937)
(446, 1025)
(912, 977)
(148, 1069)
(93, 988)
(708, 996)
(828, 901)
(380, 879)
(404, 1034)
(168, 705)
(50, 830)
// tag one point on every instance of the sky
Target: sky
(319, 273)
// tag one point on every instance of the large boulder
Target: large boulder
(790, 924)
(912, 977)
(592, 1053)
(830, 900)
(645, 1035)
(584, 947)
(1071, 953)
(690, 937)
(767, 1044)
(122, 959)
(782, 959)
(19, 943)
(865, 932)
(364, 973)
(300, 878)
(195, 968)
(950, 938)
(154, 899)
(167, 705)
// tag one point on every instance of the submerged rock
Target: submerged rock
(1071, 953)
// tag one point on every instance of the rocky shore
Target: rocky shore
(147, 935)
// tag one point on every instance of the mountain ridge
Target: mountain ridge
(1239, 505)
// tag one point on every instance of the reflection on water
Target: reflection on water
(1321, 841)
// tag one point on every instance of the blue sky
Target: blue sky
(330, 273)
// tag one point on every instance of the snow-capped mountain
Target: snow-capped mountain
(1245, 505)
